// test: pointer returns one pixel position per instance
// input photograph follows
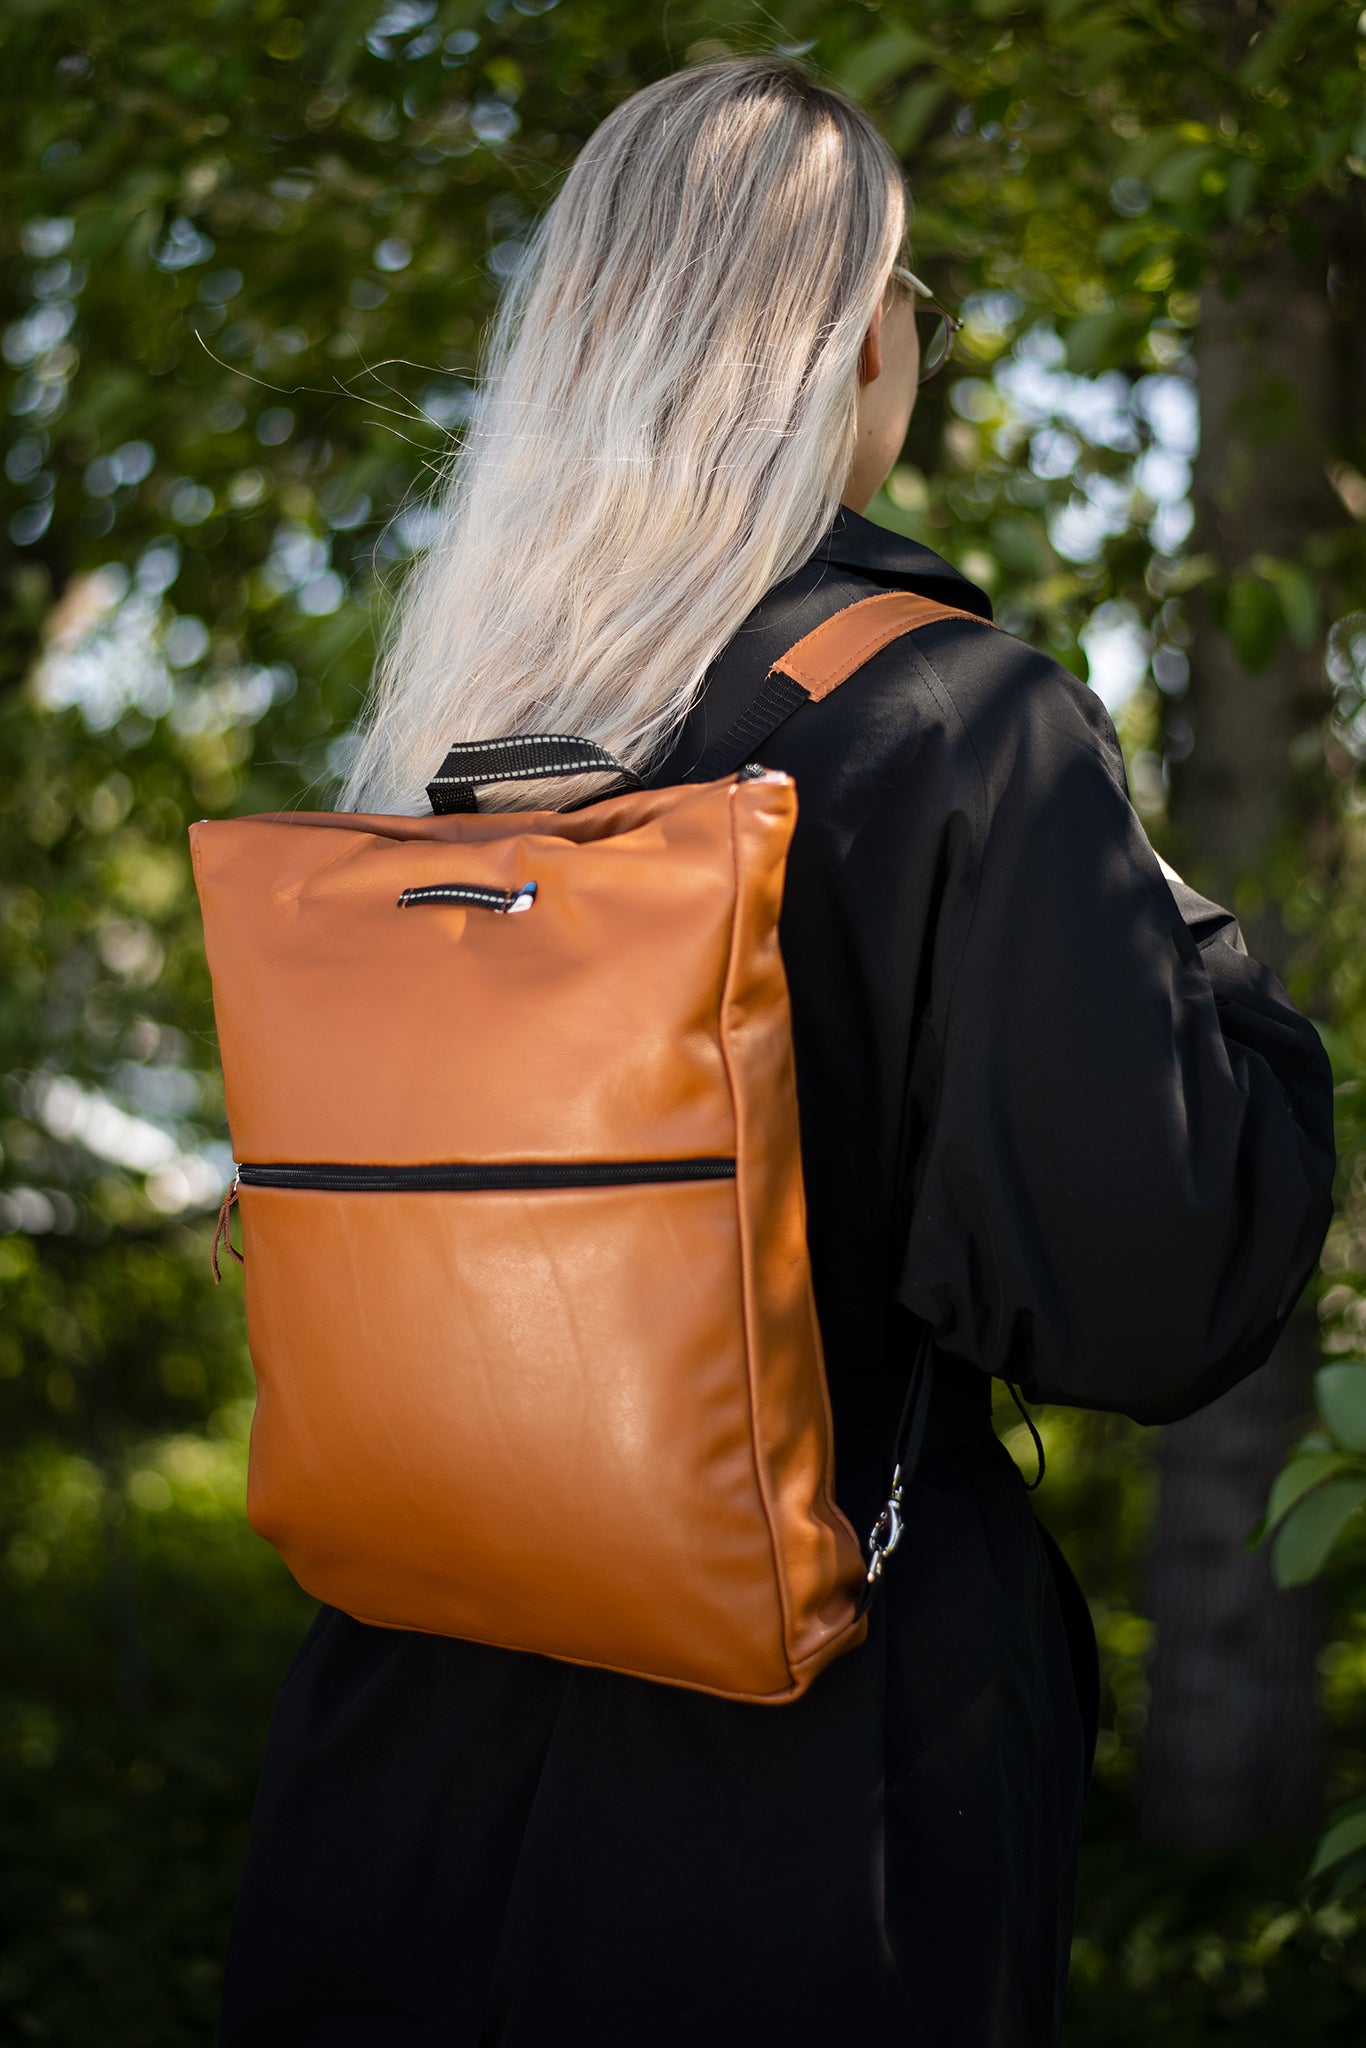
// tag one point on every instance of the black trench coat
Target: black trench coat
(1049, 1104)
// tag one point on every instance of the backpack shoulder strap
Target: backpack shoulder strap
(832, 651)
(818, 663)
(455, 786)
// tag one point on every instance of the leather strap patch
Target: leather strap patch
(829, 654)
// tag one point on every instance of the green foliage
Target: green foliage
(1313, 1513)
(247, 254)
(1310, 1531)
(1341, 1390)
(1252, 620)
(1314, 1500)
(145, 1630)
(1341, 1855)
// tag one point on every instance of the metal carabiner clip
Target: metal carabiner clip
(886, 1531)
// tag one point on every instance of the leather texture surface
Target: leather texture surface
(360, 1033)
(832, 651)
(588, 1422)
(519, 1417)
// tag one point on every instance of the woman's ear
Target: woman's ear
(870, 360)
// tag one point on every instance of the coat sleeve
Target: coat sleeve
(1125, 1177)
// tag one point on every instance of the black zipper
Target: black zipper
(520, 898)
(588, 1173)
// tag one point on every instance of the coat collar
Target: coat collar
(852, 554)
(854, 542)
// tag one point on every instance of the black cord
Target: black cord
(910, 1434)
(1030, 1484)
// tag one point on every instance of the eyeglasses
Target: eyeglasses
(936, 351)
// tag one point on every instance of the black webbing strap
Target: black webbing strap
(885, 1533)
(778, 697)
(455, 785)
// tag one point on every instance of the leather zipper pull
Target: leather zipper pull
(223, 1232)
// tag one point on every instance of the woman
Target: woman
(1048, 1104)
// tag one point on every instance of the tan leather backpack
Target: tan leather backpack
(528, 1295)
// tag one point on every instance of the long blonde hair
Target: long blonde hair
(665, 427)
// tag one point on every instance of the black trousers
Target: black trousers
(467, 1846)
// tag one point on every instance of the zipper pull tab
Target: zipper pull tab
(223, 1231)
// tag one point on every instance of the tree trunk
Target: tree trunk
(1235, 1746)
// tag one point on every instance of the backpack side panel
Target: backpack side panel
(819, 1560)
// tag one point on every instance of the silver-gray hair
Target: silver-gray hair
(666, 425)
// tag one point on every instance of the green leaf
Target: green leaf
(1178, 177)
(1274, 50)
(1254, 621)
(1311, 1528)
(1099, 341)
(1341, 1393)
(873, 64)
(1298, 604)
(913, 113)
(1020, 545)
(1297, 1478)
(1330, 146)
(1345, 1837)
(1124, 240)
(1345, 1879)
(1243, 174)
(1190, 572)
